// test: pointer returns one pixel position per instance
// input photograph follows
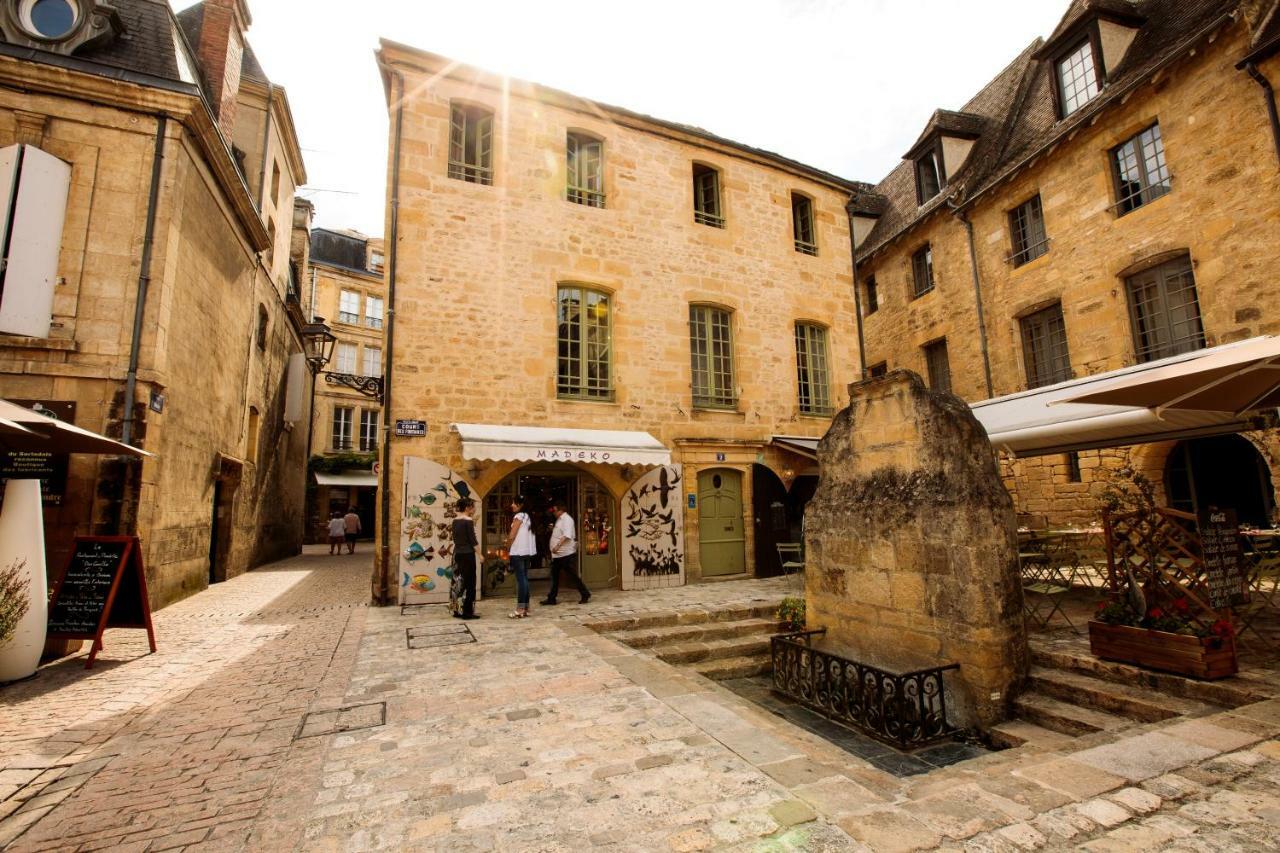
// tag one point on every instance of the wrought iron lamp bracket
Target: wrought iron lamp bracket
(370, 386)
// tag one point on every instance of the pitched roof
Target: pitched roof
(1021, 105)
(1079, 10)
(949, 123)
(987, 112)
(148, 48)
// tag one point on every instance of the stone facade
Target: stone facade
(911, 552)
(220, 319)
(357, 273)
(478, 267)
(1223, 211)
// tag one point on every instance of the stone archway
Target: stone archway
(1223, 471)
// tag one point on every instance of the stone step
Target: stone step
(1015, 733)
(740, 667)
(693, 616)
(644, 638)
(1227, 693)
(1058, 716)
(1136, 703)
(731, 647)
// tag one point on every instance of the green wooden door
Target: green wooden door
(722, 539)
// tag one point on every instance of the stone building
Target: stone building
(346, 288)
(637, 317)
(1110, 198)
(151, 287)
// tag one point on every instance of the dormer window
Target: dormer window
(58, 26)
(929, 175)
(1078, 79)
(49, 19)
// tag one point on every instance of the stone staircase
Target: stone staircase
(1069, 694)
(720, 643)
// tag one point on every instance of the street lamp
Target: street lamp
(318, 341)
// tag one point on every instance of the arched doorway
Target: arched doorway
(1224, 471)
(593, 509)
(722, 541)
(771, 519)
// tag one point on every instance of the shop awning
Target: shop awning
(803, 445)
(1237, 378)
(549, 444)
(347, 478)
(29, 431)
(1052, 420)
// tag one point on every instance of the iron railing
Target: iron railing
(905, 710)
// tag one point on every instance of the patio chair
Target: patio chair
(792, 556)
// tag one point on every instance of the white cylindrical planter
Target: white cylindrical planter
(22, 539)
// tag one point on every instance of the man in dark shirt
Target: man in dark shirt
(464, 555)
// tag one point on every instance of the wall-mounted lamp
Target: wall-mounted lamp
(474, 469)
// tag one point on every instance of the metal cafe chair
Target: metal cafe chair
(1043, 582)
(792, 556)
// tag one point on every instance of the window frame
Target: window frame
(713, 218)
(930, 351)
(364, 360)
(339, 361)
(1021, 228)
(368, 438)
(877, 370)
(933, 155)
(813, 371)
(372, 321)
(581, 388)
(922, 257)
(1090, 40)
(1161, 272)
(804, 226)
(872, 292)
(579, 192)
(463, 143)
(1147, 191)
(342, 439)
(720, 391)
(1059, 363)
(1072, 460)
(351, 318)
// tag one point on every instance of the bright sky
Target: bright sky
(843, 85)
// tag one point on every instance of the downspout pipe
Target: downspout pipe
(1270, 94)
(144, 283)
(977, 295)
(383, 590)
(266, 142)
(857, 292)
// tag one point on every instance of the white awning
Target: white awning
(347, 478)
(550, 444)
(798, 444)
(1039, 422)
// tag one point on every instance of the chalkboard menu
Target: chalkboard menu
(1223, 560)
(103, 587)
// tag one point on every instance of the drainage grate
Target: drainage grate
(431, 636)
(347, 719)
(412, 609)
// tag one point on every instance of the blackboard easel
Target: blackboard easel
(103, 587)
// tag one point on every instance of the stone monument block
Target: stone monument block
(911, 545)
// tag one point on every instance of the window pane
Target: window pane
(584, 364)
(1165, 310)
(372, 361)
(1044, 348)
(1141, 173)
(811, 369)
(373, 312)
(711, 355)
(706, 197)
(585, 170)
(341, 433)
(873, 296)
(368, 429)
(802, 225)
(1077, 78)
(922, 271)
(1026, 222)
(349, 307)
(345, 358)
(928, 176)
(939, 365)
(471, 144)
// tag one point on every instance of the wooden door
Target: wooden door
(722, 539)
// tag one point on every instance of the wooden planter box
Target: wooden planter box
(1199, 657)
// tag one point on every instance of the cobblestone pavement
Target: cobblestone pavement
(541, 735)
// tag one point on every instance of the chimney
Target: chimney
(219, 52)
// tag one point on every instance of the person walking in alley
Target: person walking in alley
(564, 555)
(464, 555)
(351, 528)
(521, 549)
(337, 532)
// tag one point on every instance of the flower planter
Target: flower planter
(1198, 657)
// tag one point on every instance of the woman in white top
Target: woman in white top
(521, 548)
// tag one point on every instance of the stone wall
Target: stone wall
(911, 552)
(478, 269)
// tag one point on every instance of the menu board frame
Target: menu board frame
(128, 590)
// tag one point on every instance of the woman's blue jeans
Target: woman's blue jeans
(520, 565)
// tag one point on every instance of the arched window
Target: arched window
(584, 365)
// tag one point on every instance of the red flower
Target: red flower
(1155, 613)
(1223, 628)
(1181, 606)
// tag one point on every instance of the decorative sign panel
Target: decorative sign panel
(653, 530)
(426, 536)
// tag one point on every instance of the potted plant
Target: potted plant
(1164, 638)
(791, 613)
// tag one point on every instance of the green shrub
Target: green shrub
(791, 613)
